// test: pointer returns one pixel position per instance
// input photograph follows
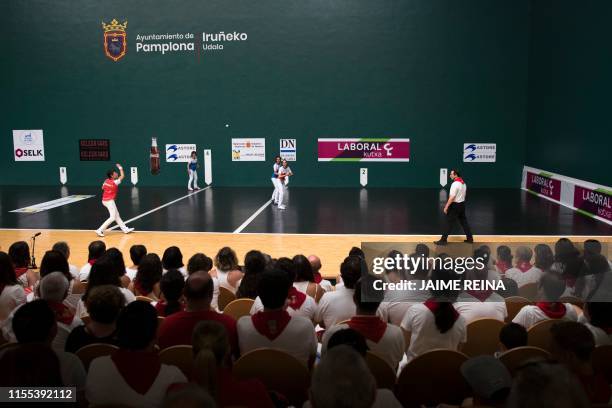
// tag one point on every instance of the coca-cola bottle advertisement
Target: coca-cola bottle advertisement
(154, 157)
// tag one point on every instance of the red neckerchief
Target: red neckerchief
(554, 310)
(481, 295)
(63, 314)
(317, 277)
(138, 288)
(459, 179)
(92, 261)
(139, 369)
(271, 324)
(20, 271)
(433, 305)
(524, 266)
(503, 266)
(370, 327)
(296, 298)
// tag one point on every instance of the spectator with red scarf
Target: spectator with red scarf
(146, 282)
(11, 292)
(20, 255)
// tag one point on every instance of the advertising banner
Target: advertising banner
(288, 149)
(179, 153)
(597, 202)
(544, 184)
(364, 149)
(249, 149)
(479, 152)
(28, 145)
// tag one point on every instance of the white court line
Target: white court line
(160, 207)
(252, 217)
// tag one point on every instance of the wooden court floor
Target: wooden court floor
(330, 248)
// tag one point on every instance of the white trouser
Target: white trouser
(193, 176)
(276, 184)
(282, 191)
(113, 215)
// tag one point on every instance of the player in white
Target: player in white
(283, 174)
(455, 209)
(192, 170)
(275, 183)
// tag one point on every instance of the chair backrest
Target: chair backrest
(482, 337)
(278, 370)
(433, 378)
(381, 370)
(238, 308)
(538, 335)
(514, 304)
(92, 351)
(144, 298)
(225, 297)
(178, 356)
(602, 361)
(518, 356)
(574, 300)
(7, 345)
(529, 291)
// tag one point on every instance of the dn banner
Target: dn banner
(366, 149)
(592, 200)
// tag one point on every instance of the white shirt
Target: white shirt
(222, 279)
(326, 285)
(84, 273)
(11, 297)
(100, 390)
(307, 310)
(131, 273)
(390, 347)
(282, 170)
(335, 307)
(458, 190)
(494, 307)
(530, 315)
(74, 271)
(425, 336)
(182, 270)
(523, 278)
(601, 337)
(397, 302)
(298, 338)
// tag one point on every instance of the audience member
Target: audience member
(173, 259)
(338, 305)
(55, 261)
(138, 376)
(597, 317)
(103, 305)
(30, 365)
(62, 246)
(254, 265)
(11, 292)
(305, 279)
(212, 369)
(178, 327)
(202, 263)
(20, 255)
(351, 338)
(146, 282)
(116, 258)
(524, 272)
(510, 288)
(489, 380)
(137, 253)
(315, 263)
(188, 396)
(95, 250)
(385, 340)
(504, 259)
(511, 336)
(226, 269)
(274, 327)
(171, 285)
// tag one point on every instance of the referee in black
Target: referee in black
(455, 209)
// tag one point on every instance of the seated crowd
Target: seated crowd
(48, 315)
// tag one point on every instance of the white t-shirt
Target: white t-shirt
(11, 297)
(523, 278)
(84, 272)
(458, 190)
(390, 347)
(222, 279)
(335, 306)
(307, 310)
(282, 170)
(74, 271)
(530, 315)
(425, 336)
(326, 285)
(397, 302)
(494, 307)
(102, 391)
(131, 273)
(298, 338)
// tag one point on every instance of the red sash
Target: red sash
(524, 266)
(433, 305)
(317, 277)
(271, 324)
(139, 369)
(296, 298)
(481, 295)
(554, 310)
(63, 314)
(370, 327)
(459, 179)
(503, 266)
(20, 271)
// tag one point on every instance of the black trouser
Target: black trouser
(456, 211)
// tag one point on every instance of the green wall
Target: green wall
(570, 83)
(440, 72)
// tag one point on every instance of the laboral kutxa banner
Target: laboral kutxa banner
(364, 149)
(590, 199)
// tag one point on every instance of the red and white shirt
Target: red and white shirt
(524, 273)
(532, 314)
(109, 189)
(474, 305)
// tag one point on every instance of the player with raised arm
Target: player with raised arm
(109, 189)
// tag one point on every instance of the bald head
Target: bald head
(199, 290)
(315, 263)
(54, 287)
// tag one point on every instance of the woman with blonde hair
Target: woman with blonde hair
(226, 269)
(212, 369)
